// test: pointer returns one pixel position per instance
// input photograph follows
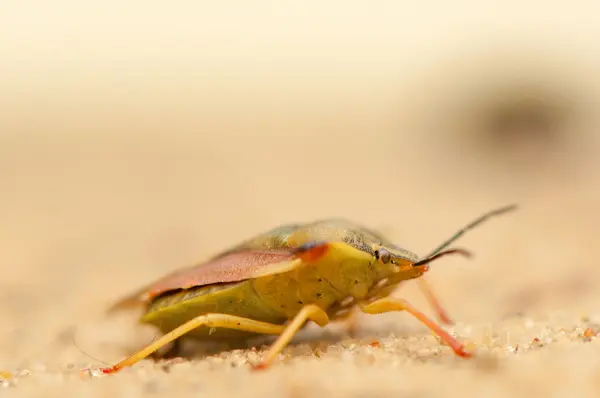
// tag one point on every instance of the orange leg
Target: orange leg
(388, 304)
(433, 300)
(426, 289)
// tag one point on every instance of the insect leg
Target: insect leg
(173, 352)
(426, 289)
(389, 304)
(308, 312)
(208, 320)
(433, 300)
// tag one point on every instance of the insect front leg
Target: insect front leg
(434, 301)
(427, 291)
(309, 312)
(389, 304)
(208, 320)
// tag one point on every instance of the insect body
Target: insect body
(275, 283)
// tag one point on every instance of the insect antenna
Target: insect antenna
(94, 358)
(85, 353)
(429, 259)
(468, 227)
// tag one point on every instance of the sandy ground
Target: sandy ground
(137, 141)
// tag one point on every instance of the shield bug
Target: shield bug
(275, 283)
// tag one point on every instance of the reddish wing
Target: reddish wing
(233, 266)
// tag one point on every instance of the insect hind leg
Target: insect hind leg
(208, 320)
(173, 351)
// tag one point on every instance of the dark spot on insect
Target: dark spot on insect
(320, 279)
(300, 302)
(239, 324)
(282, 305)
(230, 301)
(319, 295)
(355, 282)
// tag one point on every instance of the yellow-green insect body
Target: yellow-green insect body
(349, 270)
(279, 280)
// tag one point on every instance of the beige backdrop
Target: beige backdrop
(136, 138)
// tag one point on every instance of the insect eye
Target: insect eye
(383, 255)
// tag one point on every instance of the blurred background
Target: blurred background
(139, 137)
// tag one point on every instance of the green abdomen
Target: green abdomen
(272, 299)
(240, 299)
